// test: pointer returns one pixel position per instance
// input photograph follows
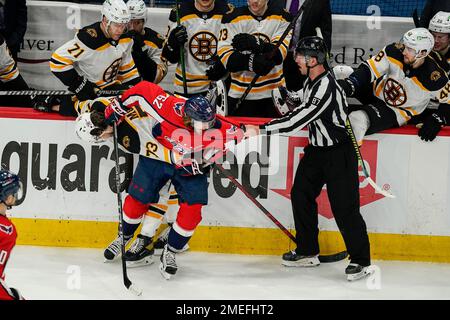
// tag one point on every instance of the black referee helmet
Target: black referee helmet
(313, 47)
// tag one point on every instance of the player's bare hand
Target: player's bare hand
(251, 131)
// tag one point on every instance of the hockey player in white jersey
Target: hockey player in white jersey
(98, 57)
(246, 47)
(198, 34)
(147, 44)
(397, 84)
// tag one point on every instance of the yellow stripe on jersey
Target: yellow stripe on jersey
(264, 88)
(63, 60)
(166, 155)
(154, 215)
(379, 88)
(374, 68)
(172, 202)
(127, 66)
(416, 81)
(62, 67)
(244, 18)
(191, 76)
(8, 68)
(162, 207)
(195, 16)
(125, 40)
(396, 62)
(192, 84)
(150, 44)
(10, 75)
(404, 115)
(270, 76)
(128, 75)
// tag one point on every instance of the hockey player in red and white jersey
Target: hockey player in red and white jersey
(173, 137)
(99, 57)
(9, 190)
(397, 84)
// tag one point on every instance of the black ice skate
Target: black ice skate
(140, 252)
(355, 271)
(292, 259)
(114, 249)
(168, 266)
(162, 241)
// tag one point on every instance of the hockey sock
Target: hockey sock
(176, 241)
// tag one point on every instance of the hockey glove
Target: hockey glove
(260, 65)
(84, 89)
(245, 42)
(271, 52)
(44, 103)
(114, 112)
(348, 86)
(216, 70)
(188, 167)
(431, 127)
(177, 38)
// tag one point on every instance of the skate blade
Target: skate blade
(110, 261)
(308, 264)
(140, 263)
(364, 273)
(165, 275)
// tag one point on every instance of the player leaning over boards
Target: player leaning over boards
(9, 190)
(329, 159)
(397, 84)
(166, 131)
(147, 44)
(196, 37)
(99, 57)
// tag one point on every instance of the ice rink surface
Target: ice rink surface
(73, 274)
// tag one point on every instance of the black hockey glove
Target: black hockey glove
(260, 65)
(431, 127)
(245, 42)
(216, 70)
(272, 52)
(348, 86)
(45, 103)
(84, 89)
(177, 38)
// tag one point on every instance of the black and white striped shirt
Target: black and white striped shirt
(323, 110)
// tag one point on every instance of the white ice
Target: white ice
(67, 273)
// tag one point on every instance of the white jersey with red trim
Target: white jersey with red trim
(92, 55)
(405, 90)
(269, 28)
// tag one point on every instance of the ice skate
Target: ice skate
(292, 259)
(168, 266)
(355, 271)
(114, 249)
(140, 252)
(162, 241)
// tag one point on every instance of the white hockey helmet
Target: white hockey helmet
(440, 22)
(86, 130)
(116, 11)
(419, 39)
(137, 9)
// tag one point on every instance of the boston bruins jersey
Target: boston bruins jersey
(443, 61)
(90, 54)
(269, 28)
(153, 44)
(8, 67)
(203, 33)
(405, 90)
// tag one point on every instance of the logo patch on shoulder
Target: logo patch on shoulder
(6, 229)
(435, 75)
(92, 32)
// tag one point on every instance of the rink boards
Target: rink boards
(69, 200)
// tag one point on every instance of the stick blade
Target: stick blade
(335, 257)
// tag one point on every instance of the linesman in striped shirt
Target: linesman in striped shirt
(329, 159)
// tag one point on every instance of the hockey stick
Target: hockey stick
(366, 173)
(277, 45)
(126, 281)
(322, 258)
(55, 92)
(182, 62)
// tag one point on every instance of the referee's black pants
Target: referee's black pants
(337, 167)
